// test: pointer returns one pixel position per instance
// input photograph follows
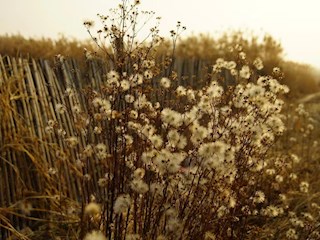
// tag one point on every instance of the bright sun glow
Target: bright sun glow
(293, 22)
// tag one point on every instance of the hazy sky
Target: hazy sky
(295, 23)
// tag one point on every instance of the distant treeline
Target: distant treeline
(301, 78)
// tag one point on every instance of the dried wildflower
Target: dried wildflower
(113, 75)
(271, 211)
(173, 137)
(242, 55)
(87, 177)
(276, 70)
(214, 91)
(161, 237)
(292, 234)
(165, 82)
(222, 211)
(101, 151)
(129, 98)
(234, 72)
(129, 139)
(139, 186)
(60, 154)
(72, 141)
(60, 108)
(259, 197)
(171, 117)
(52, 171)
(156, 140)
(133, 237)
(279, 178)
(174, 226)
(76, 109)
(96, 102)
(296, 222)
(113, 83)
(148, 63)
(97, 130)
(69, 92)
(220, 62)
(49, 129)
(140, 102)
(102, 182)
(122, 204)
(98, 117)
(135, 66)
(245, 72)
(232, 202)
(207, 150)
(125, 85)
(101, 147)
(95, 235)
(209, 236)
(51, 123)
(294, 158)
(157, 105)
(139, 173)
(92, 209)
(148, 74)
(133, 114)
(258, 63)
(308, 216)
(304, 187)
(191, 95)
(88, 151)
(181, 91)
(231, 65)
(199, 133)
(293, 176)
(88, 24)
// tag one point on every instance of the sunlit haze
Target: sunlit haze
(294, 23)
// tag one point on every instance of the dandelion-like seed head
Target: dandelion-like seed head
(129, 98)
(165, 82)
(258, 63)
(304, 187)
(148, 74)
(181, 91)
(139, 173)
(95, 235)
(97, 130)
(60, 108)
(113, 75)
(88, 24)
(122, 204)
(259, 197)
(72, 141)
(92, 209)
(245, 72)
(125, 85)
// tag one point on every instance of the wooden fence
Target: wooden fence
(29, 92)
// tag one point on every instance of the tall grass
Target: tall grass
(301, 78)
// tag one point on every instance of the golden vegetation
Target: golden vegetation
(301, 78)
(45, 48)
(137, 157)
